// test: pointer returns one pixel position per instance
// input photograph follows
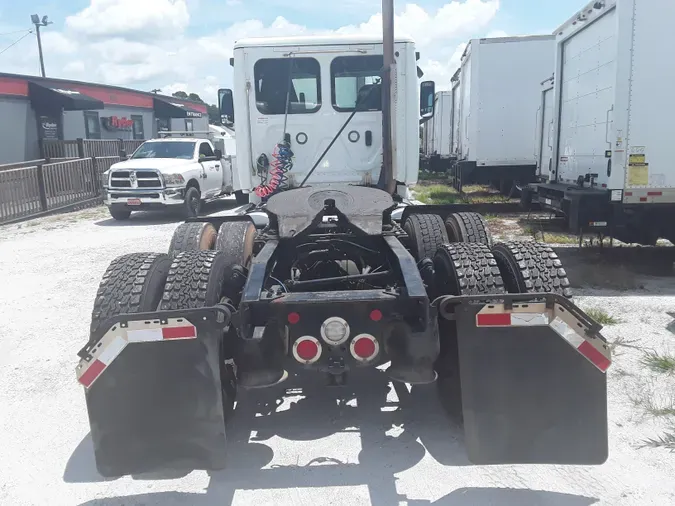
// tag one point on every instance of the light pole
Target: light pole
(38, 23)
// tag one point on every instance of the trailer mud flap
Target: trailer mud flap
(153, 392)
(533, 382)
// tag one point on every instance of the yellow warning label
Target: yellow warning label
(636, 159)
(638, 174)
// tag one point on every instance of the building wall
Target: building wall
(198, 124)
(74, 128)
(18, 131)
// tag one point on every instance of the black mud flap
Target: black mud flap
(153, 392)
(533, 382)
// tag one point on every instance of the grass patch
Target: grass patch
(667, 441)
(601, 316)
(659, 363)
(437, 194)
(425, 175)
(491, 217)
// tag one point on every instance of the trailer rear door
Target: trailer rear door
(587, 80)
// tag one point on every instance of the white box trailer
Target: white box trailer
(438, 134)
(613, 170)
(498, 102)
(544, 137)
(455, 113)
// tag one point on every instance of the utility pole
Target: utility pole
(38, 23)
(388, 181)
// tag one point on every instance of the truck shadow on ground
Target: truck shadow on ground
(396, 432)
(143, 218)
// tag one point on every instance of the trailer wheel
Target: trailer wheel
(468, 227)
(466, 269)
(530, 267)
(197, 279)
(132, 284)
(427, 232)
(193, 236)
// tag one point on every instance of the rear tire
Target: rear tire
(196, 279)
(193, 236)
(466, 269)
(530, 267)
(468, 227)
(132, 284)
(235, 239)
(119, 213)
(426, 232)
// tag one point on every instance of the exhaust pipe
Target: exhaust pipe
(387, 176)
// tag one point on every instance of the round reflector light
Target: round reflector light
(335, 330)
(307, 350)
(376, 315)
(293, 318)
(364, 347)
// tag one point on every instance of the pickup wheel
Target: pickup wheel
(119, 212)
(132, 283)
(193, 236)
(192, 202)
(197, 279)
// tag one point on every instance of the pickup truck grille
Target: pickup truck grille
(135, 179)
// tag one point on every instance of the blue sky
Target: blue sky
(183, 43)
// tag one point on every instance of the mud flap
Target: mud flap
(153, 392)
(533, 382)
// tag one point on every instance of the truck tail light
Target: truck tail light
(364, 347)
(307, 350)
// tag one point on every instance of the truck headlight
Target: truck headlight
(105, 177)
(173, 180)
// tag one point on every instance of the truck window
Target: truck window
(271, 78)
(167, 149)
(205, 150)
(354, 75)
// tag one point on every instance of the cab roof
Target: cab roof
(315, 40)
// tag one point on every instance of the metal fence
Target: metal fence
(27, 191)
(87, 148)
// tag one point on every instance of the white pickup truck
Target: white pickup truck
(180, 173)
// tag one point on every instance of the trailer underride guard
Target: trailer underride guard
(330, 282)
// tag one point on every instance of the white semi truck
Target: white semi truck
(612, 170)
(331, 272)
(498, 109)
(437, 153)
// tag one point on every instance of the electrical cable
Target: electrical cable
(16, 41)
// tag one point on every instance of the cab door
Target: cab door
(212, 177)
(310, 94)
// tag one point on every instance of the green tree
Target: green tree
(180, 94)
(195, 98)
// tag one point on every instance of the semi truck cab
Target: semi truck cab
(303, 91)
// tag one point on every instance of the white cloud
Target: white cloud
(146, 44)
(131, 18)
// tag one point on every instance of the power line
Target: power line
(16, 41)
(12, 33)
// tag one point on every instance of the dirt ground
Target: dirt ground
(299, 444)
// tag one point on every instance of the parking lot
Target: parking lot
(299, 443)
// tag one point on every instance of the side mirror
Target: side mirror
(123, 155)
(427, 99)
(226, 106)
(218, 153)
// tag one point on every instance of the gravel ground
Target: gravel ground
(290, 446)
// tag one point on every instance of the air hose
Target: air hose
(282, 163)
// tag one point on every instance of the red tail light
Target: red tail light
(364, 347)
(307, 350)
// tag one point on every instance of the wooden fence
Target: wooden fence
(32, 188)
